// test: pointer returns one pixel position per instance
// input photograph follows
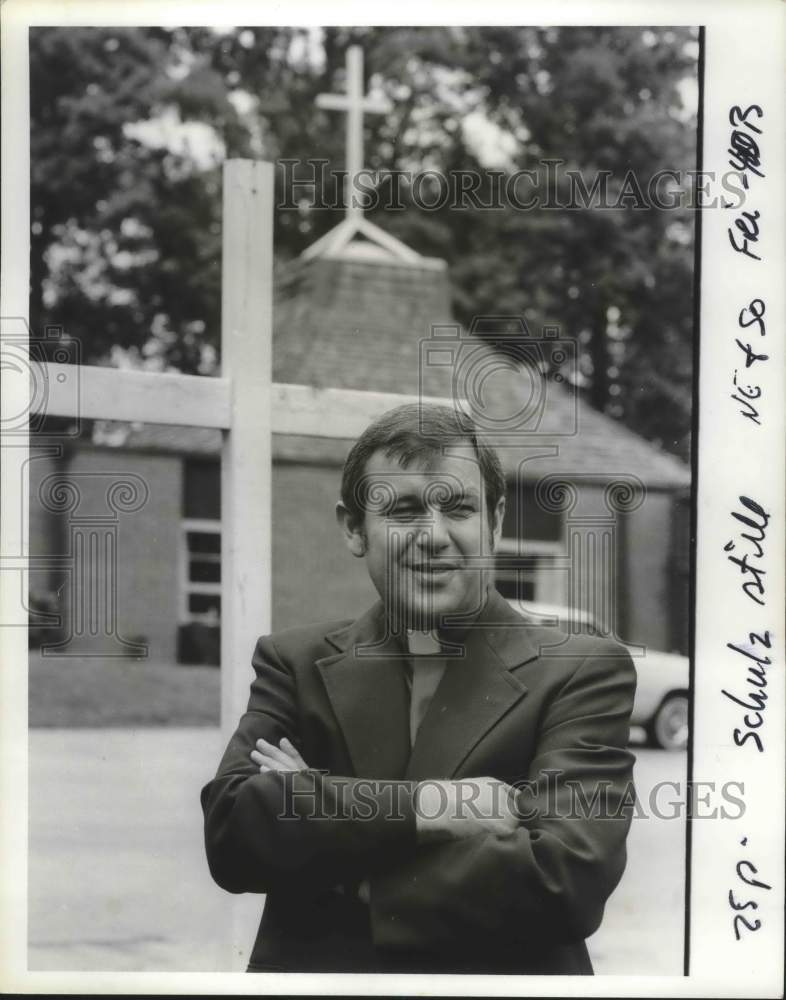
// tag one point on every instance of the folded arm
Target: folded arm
(548, 879)
(277, 828)
(545, 876)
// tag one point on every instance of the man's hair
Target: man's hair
(418, 432)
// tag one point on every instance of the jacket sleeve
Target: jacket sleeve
(548, 880)
(305, 828)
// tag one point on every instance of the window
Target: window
(525, 517)
(529, 550)
(200, 572)
(201, 489)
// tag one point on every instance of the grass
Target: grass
(98, 692)
(91, 692)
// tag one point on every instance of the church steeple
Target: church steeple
(355, 104)
(356, 237)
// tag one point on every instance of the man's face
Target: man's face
(424, 529)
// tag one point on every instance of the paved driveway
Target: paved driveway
(118, 880)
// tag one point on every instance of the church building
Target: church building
(597, 518)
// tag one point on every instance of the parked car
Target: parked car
(661, 702)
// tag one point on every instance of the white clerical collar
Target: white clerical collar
(423, 643)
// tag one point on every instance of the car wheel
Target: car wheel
(669, 726)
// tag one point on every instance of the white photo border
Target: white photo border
(743, 45)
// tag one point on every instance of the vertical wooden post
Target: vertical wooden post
(246, 460)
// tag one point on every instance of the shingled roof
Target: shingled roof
(356, 324)
(358, 321)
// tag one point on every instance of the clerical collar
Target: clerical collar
(423, 643)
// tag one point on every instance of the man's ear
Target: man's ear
(496, 523)
(352, 530)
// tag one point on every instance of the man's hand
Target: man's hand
(283, 757)
(456, 809)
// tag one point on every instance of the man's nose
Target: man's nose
(434, 535)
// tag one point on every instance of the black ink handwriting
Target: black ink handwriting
(756, 678)
(744, 152)
(751, 315)
(754, 588)
(756, 309)
(748, 225)
(745, 871)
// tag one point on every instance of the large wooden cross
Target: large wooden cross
(355, 104)
(244, 403)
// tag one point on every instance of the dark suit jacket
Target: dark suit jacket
(521, 903)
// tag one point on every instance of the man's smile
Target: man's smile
(434, 572)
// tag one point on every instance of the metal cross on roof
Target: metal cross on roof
(355, 104)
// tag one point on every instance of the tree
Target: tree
(126, 240)
(125, 236)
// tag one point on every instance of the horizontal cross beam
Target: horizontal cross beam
(94, 393)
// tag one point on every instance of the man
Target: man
(424, 789)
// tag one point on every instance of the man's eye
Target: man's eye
(463, 510)
(403, 513)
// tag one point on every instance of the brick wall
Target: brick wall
(314, 576)
(147, 542)
(650, 601)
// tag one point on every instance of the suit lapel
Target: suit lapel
(367, 688)
(476, 690)
(366, 684)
